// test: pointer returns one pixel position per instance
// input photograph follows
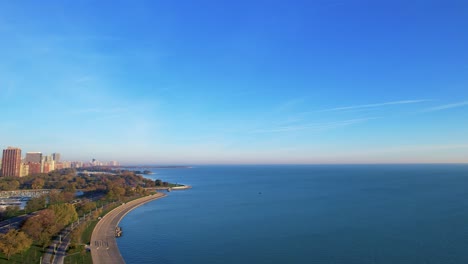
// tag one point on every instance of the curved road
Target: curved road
(103, 246)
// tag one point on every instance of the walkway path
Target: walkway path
(104, 248)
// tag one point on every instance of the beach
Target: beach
(103, 244)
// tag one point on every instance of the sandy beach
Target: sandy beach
(103, 246)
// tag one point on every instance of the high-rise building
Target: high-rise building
(66, 164)
(24, 171)
(47, 158)
(58, 165)
(35, 157)
(77, 164)
(47, 167)
(34, 168)
(11, 162)
(48, 164)
(113, 163)
(56, 157)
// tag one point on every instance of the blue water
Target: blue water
(304, 214)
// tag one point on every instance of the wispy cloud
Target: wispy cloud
(100, 110)
(402, 102)
(447, 106)
(290, 104)
(314, 126)
(462, 145)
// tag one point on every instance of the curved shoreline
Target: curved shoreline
(103, 244)
(175, 188)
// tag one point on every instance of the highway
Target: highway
(14, 223)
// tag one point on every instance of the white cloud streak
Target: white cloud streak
(447, 106)
(314, 126)
(402, 102)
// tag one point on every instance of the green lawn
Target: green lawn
(86, 236)
(78, 255)
(31, 256)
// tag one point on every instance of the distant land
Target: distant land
(153, 167)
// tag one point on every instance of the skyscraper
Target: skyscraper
(35, 157)
(56, 157)
(24, 171)
(34, 168)
(11, 162)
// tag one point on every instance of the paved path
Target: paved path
(57, 250)
(103, 246)
(65, 239)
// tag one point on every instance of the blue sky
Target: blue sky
(236, 81)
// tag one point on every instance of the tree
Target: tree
(118, 191)
(76, 235)
(110, 196)
(86, 207)
(42, 226)
(55, 197)
(14, 242)
(158, 182)
(129, 191)
(37, 183)
(35, 204)
(11, 211)
(64, 214)
(14, 185)
(67, 196)
(8, 185)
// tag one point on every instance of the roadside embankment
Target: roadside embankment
(103, 245)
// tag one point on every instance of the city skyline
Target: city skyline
(15, 164)
(236, 83)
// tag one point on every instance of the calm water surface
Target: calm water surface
(304, 214)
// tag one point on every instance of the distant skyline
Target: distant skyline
(233, 82)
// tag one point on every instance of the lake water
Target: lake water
(304, 214)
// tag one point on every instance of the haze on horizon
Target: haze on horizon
(195, 82)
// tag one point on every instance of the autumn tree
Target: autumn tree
(11, 211)
(8, 184)
(64, 214)
(76, 235)
(86, 207)
(14, 242)
(42, 226)
(37, 183)
(35, 204)
(55, 197)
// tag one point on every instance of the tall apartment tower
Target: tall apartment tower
(11, 162)
(34, 157)
(56, 157)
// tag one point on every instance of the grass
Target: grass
(31, 256)
(86, 236)
(75, 255)
(169, 185)
(78, 255)
(174, 185)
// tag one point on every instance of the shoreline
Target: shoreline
(175, 188)
(103, 243)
